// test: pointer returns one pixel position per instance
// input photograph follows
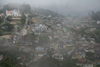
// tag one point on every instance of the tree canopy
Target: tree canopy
(9, 18)
(95, 15)
(23, 18)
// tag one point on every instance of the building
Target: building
(84, 63)
(13, 13)
(98, 22)
(39, 48)
(24, 32)
(78, 55)
(58, 56)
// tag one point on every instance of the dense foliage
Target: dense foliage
(10, 55)
(95, 15)
(23, 18)
(9, 18)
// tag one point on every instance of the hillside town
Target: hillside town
(36, 36)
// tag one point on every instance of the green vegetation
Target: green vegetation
(10, 54)
(23, 18)
(7, 29)
(9, 18)
(97, 65)
(5, 32)
(95, 15)
(1, 20)
(0, 33)
(90, 56)
(9, 62)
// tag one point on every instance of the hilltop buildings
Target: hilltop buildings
(13, 13)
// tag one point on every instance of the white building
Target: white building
(39, 48)
(13, 13)
(24, 32)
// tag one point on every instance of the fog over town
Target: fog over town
(49, 33)
(64, 7)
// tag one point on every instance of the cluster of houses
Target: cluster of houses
(62, 40)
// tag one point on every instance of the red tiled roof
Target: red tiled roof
(9, 11)
(79, 45)
(81, 60)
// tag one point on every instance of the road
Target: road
(23, 28)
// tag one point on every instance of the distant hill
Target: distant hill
(46, 12)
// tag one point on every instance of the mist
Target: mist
(64, 7)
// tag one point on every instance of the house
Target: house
(78, 55)
(40, 48)
(68, 47)
(58, 56)
(24, 32)
(6, 36)
(91, 50)
(40, 53)
(84, 63)
(13, 13)
(34, 20)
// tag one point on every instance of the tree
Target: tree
(95, 15)
(1, 20)
(9, 18)
(23, 18)
(0, 33)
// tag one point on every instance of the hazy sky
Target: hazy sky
(74, 7)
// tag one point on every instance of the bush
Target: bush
(10, 27)
(0, 33)
(9, 18)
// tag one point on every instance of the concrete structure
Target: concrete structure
(84, 63)
(13, 13)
